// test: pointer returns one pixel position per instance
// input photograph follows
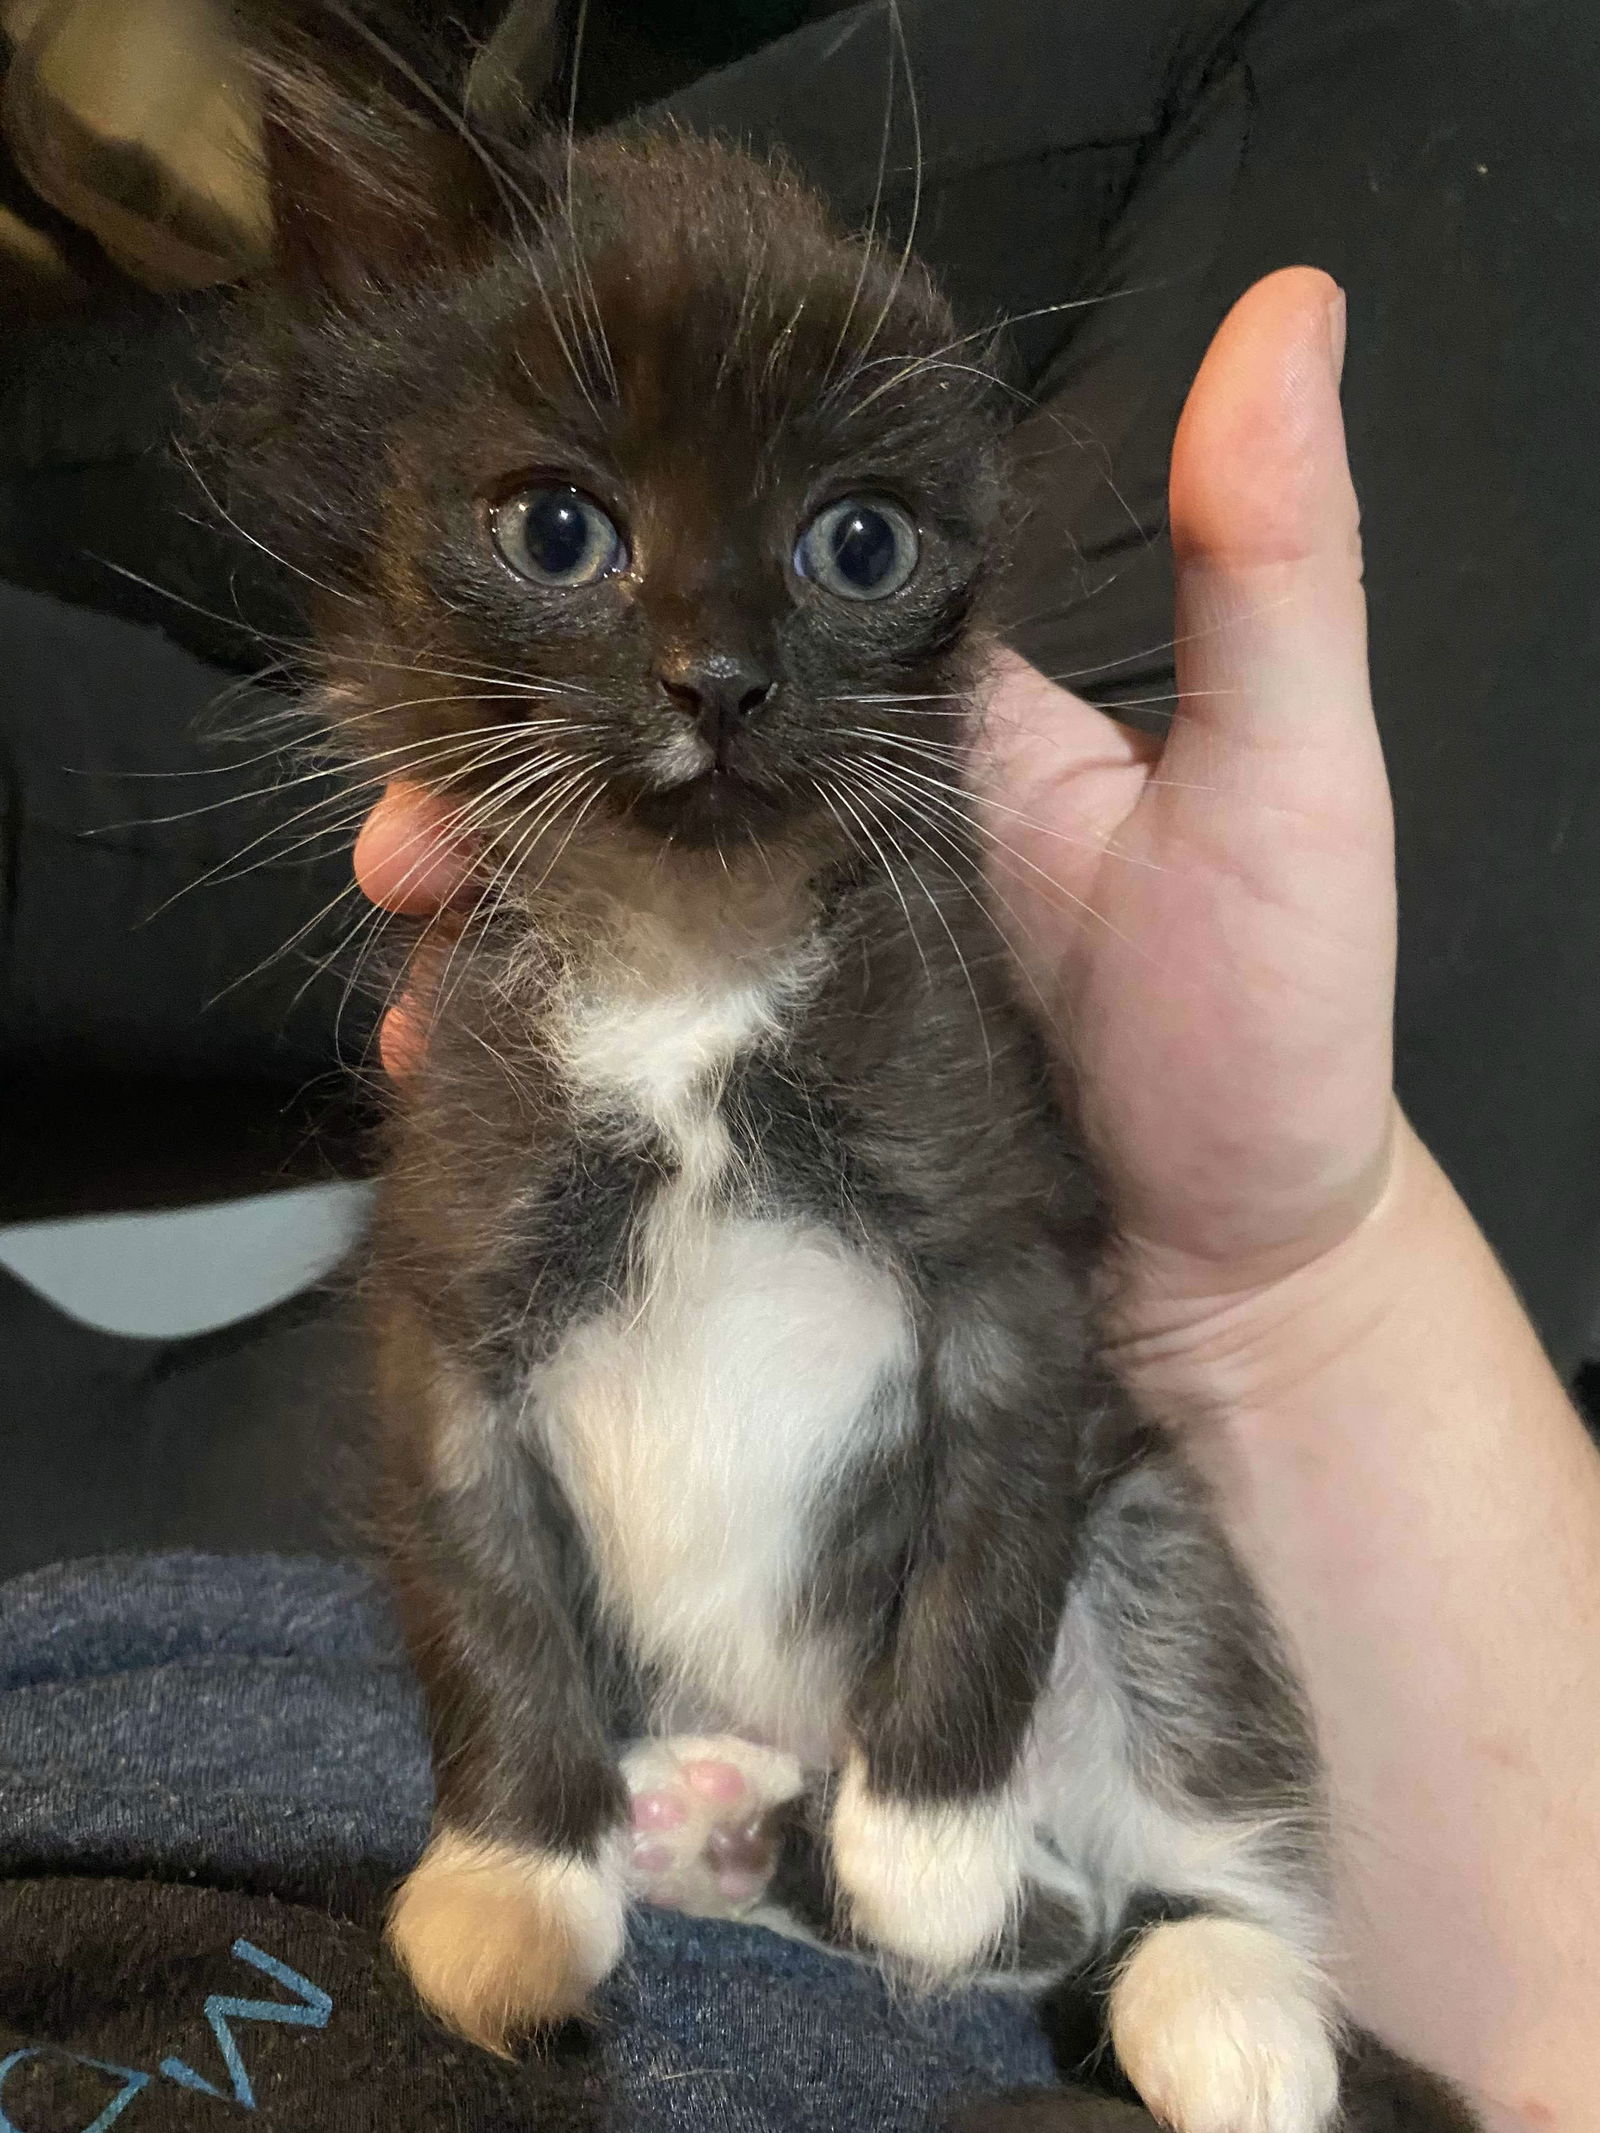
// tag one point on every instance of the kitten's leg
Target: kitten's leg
(928, 1837)
(1224, 2025)
(706, 1821)
(1378, 2092)
(516, 1909)
(1172, 1762)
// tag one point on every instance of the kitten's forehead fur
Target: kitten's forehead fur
(684, 334)
(674, 308)
(709, 289)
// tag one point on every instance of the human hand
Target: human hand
(1209, 922)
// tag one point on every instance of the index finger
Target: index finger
(406, 858)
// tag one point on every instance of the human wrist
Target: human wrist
(1202, 1347)
(1416, 1502)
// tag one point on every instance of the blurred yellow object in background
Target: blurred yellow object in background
(135, 119)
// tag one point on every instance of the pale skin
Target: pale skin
(1209, 925)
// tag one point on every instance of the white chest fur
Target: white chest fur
(696, 1424)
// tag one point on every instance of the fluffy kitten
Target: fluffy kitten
(732, 1273)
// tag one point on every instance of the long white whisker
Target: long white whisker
(1009, 853)
(914, 108)
(427, 752)
(1023, 318)
(984, 805)
(922, 831)
(1166, 644)
(869, 241)
(887, 864)
(310, 925)
(358, 804)
(918, 364)
(375, 920)
(244, 533)
(594, 323)
(227, 870)
(302, 649)
(955, 946)
(902, 696)
(950, 752)
(492, 894)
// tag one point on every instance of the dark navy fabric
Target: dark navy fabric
(211, 1716)
(247, 1725)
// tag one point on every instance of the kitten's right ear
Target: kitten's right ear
(376, 175)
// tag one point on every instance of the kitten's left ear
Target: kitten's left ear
(377, 176)
(519, 64)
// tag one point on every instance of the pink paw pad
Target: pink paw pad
(658, 1810)
(702, 1813)
(651, 1859)
(720, 1783)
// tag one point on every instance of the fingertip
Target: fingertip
(1258, 469)
(1338, 319)
(401, 1041)
(404, 858)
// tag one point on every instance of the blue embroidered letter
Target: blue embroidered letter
(312, 2012)
(132, 2082)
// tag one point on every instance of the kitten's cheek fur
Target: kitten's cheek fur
(936, 1884)
(500, 1941)
(1223, 2027)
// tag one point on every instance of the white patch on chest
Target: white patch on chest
(697, 1424)
(660, 1053)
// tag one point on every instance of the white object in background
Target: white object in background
(190, 1269)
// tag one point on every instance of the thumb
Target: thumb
(1275, 709)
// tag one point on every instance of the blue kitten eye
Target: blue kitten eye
(558, 536)
(862, 548)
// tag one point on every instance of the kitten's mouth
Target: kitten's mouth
(717, 805)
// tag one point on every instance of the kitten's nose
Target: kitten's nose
(718, 690)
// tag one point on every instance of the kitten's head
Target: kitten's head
(641, 501)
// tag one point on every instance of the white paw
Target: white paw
(1223, 2027)
(500, 1941)
(703, 1839)
(936, 1885)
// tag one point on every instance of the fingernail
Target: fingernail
(1336, 332)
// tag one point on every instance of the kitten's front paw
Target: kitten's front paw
(1223, 2027)
(500, 1941)
(936, 1883)
(703, 1821)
